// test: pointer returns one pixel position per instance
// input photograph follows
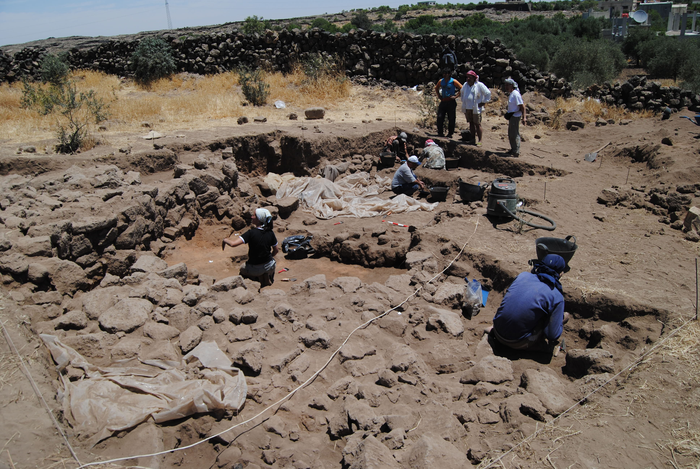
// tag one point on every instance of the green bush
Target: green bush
(361, 20)
(293, 26)
(534, 55)
(77, 110)
(254, 89)
(319, 67)
(667, 56)
(324, 24)
(634, 43)
(54, 69)
(600, 59)
(152, 60)
(252, 25)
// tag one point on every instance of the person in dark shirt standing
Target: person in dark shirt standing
(262, 247)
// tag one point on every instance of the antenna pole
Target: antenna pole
(167, 11)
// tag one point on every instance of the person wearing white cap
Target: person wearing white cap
(405, 181)
(514, 112)
(262, 247)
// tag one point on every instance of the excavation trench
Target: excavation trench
(368, 266)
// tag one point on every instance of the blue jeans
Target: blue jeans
(407, 189)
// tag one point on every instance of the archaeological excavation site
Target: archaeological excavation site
(150, 350)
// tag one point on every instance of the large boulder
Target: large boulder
(581, 362)
(66, 276)
(446, 321)
(431, 452)
(125, 316)
(368, 453)
(551, 391)
(490, 369)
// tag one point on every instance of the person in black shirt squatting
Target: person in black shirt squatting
(262, 247)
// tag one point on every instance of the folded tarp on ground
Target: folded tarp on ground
(356, 195)
(121, 396)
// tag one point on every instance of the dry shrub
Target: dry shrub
(592, 109)
(685, 346)
(296, 87)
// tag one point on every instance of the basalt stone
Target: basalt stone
(126, 315)
(315, 113)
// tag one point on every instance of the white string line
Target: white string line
(628, 367)
(302, 385)
(25, 369)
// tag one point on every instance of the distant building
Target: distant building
(428, 3)
(617, 8)
(662, 8)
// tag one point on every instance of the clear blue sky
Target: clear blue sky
(28, 20)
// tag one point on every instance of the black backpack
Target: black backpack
(298, 246)
(449, 60)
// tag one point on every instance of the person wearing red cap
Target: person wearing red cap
(432, 156)
(474, 95)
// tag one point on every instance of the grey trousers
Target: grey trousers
(514, 135)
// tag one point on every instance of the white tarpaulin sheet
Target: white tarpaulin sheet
(119, 397)
(356, 195)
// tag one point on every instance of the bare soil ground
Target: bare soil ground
(632, 283)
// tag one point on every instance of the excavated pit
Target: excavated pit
(366, 249)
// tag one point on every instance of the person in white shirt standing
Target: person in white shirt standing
(474, 95)
(514, 112)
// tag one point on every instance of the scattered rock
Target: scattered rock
(549, 389)
(446, 321)
(490, 369)
(431, 452)
(588, 361)
(126, 315)
(368, 453)
(315, 113)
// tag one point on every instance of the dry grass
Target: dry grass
(183, 101)
(685, 346)
(591, 109)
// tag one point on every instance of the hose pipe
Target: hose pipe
(552, 226)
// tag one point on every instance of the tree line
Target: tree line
(571, 48)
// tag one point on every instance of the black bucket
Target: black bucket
(563, 247)
(451, 163)
(387, 159)
(439, 193)
(471, 192)
(502, 193)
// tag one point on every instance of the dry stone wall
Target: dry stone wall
(401, 58)
(638, 94)
(393, 58)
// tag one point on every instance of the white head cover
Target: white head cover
(513, 83)
(262, 214)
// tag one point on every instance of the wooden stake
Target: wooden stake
(696, 288)
(545, 191)
(628, 175)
